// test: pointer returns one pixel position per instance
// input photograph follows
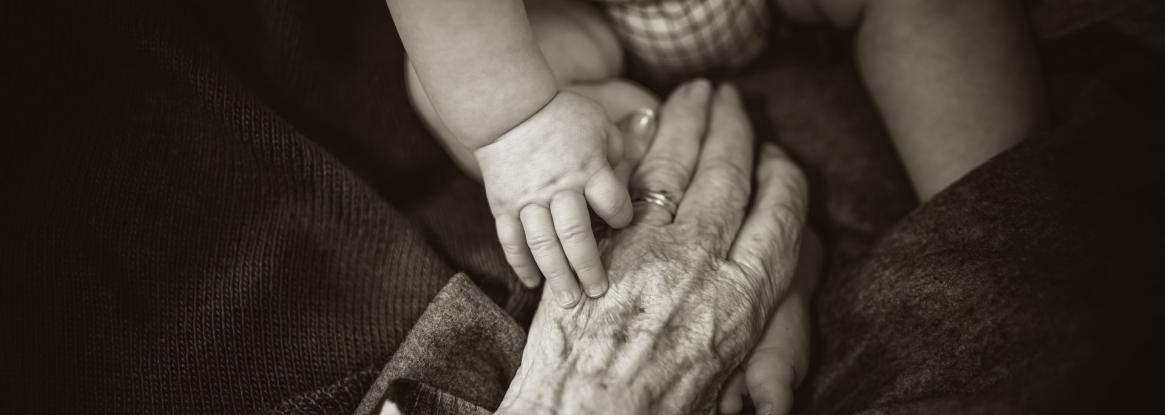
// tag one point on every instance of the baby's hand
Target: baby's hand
(540, 177)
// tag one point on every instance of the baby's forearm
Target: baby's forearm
(478, 62)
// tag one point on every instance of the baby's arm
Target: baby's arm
(544, 154)
(478, 61)
(582, 51)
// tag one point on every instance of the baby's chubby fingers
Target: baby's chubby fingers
(542, 239)
(513, 241)
(573, 224)
(609, 199)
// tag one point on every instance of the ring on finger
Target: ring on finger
(658, 198)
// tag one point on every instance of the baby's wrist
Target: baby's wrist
(475, 143)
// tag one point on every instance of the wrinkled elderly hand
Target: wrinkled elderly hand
(691, 295)
(779, 362)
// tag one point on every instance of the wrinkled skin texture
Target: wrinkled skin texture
(677, 320)
(689, 298)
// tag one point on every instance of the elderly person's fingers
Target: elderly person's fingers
(780, 360)
(768, 240)
(670, 160)
(513, 241)
(733, 395)
(720, 188)
(778, 363)
(771, 396)
(542, 239)
(638, 131)
(672, 297)
(572, 222)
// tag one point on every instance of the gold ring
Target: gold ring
(660, 199)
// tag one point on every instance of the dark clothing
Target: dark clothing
(230, 207)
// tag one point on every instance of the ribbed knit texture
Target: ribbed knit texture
(204, 207)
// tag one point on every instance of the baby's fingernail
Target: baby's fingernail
(597, 290)
(567, 298)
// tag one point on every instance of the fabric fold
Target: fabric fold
(458, 358)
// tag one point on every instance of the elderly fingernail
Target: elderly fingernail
(567, 298)
(768, 149)
(729, 90)
(698, 87)
(771, 150)
(644, 121)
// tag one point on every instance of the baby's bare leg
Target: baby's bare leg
(584, 55)
(956, 81)
(576, 40)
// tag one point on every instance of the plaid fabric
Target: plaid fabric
(674, 39)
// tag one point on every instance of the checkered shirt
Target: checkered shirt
(671, 40)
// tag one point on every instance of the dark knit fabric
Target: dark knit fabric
(463, 342)
(174, 242)
(229, 207)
